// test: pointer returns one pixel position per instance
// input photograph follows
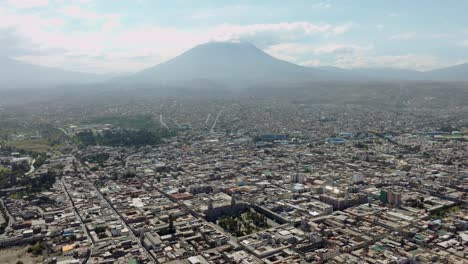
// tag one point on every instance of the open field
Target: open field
(35, 145)
(129, 122)
(16, 254)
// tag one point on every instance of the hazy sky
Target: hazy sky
(129, 35)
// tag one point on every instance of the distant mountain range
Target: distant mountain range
(454, 73)
(228, 63)
(243, 63)
(222, 64)
(16, 74)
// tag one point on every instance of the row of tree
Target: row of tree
(5, 217)
(244, 224)
(9, 177)
(35, 183)
(123, 137)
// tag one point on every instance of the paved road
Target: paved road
(232, 238)
(207, 118)
(175, 121)
(134, 237)
(77, 214)
(162, 121)
(64, 131)
(31, 170)
(216, 120)
(10, 219)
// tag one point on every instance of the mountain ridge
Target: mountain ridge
(243, 63)
(17, 74)
(219, 64)
(225, 62)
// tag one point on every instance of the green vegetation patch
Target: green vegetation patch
(17, 195)
(40, 160)
(419, 237)
(33, 145)
(37, 248)
(416, 251)
(445, 212)
(96, 158)
(9, 178)
(127, 122)
(379, 248)
(122, 137)
(244, 224)
(36, 145)
(50, 138)
(16, 177)
(137, 130)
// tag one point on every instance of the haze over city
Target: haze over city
(248, 132)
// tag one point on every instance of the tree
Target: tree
(21, 167)
(37, 248)
(123, 137)
(171, 224)
(43, 181)
(129, 175)
(86, 138)
(100, 229)
(40, 160)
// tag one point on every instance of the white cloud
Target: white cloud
(464, 43)
(225, 11)
(349, 56)
(28, 30)
(310, 63)
(110, 47)
(20, 4)
(309, 54)
(299, 50)
(98, 64)
(324, 5)
(407, 61)
(79, 13)
(108, 22)
(341, 49)
(268, 34)
(403, 36)
(413, 35)
(48, 40)
(203, 14)
(108, 39)
(14, 20)
(290, 50)
(394, 14)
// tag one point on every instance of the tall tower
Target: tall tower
(233, 200)
(305, 225)
(142, 234)
(171, 224)
(210, 204)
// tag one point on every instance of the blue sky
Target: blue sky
(127, 36)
